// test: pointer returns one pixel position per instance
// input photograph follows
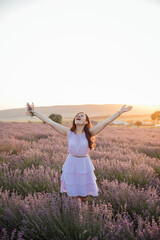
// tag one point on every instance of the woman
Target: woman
(78, 178)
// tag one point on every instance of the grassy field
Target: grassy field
(127, 168)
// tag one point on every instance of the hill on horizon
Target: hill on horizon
(69, 111)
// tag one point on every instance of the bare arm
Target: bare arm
(100, 126)
(58, 127)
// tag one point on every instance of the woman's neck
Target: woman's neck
(79, 129)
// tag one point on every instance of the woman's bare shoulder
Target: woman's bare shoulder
(67, 133)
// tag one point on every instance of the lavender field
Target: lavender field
(127, 168)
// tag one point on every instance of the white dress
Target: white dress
(78, 178)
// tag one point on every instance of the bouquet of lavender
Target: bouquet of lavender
(30, 109)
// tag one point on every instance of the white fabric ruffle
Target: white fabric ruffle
(79, 190)
(78, 178)
(78, 165)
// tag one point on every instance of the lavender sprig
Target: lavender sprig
(30, 109)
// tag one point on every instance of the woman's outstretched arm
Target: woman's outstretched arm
(100, 126)
(58, 127)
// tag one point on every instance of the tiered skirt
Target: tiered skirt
(78, 178)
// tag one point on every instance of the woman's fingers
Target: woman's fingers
(28, 113)
(126, 109)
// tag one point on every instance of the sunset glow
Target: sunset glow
(69, 53)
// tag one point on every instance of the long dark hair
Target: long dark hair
(90, 139)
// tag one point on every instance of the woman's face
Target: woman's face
(80, 119)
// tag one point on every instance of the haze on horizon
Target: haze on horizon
(75, 53)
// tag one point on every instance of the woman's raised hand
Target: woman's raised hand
(123, 109)
(30, 109)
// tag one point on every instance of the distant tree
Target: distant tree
(156, 116)
(56, 118)
(138, 123)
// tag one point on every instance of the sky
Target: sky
(79, 52)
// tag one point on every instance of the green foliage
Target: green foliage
(156, 116)
(138, 123)
(56, 118)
